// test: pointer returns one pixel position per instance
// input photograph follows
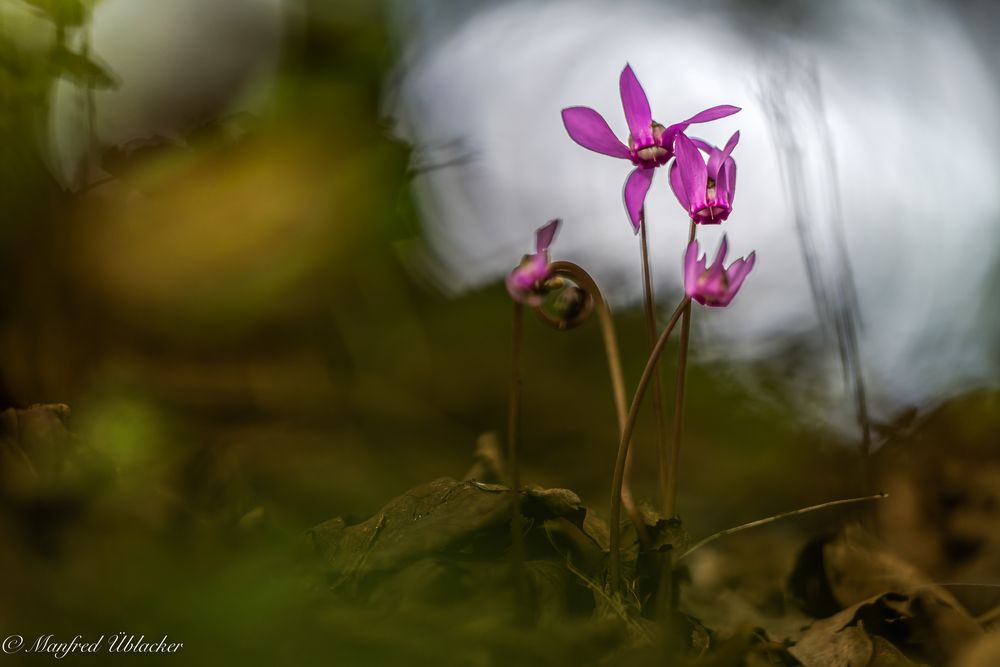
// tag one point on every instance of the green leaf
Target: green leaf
(426, 520)
(468, 520)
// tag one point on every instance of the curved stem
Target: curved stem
(778, 517)
(513, 475)
(623, 446)
(661, 424)
(578, 275)
(989, 617)
(670, 490)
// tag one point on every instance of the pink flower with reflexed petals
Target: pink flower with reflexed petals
(714, 286)
(650, 145)
(705, 189)
(526, 282)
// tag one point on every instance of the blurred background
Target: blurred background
(251, 261)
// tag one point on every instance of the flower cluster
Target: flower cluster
(701, 175)
(703, 179)
(650, 144)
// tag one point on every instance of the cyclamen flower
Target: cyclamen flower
(650, 144)
(526, 282)
(705, 190)
(714, 286)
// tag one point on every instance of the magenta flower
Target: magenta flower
(714, 286)
(650, 144)
(526, 283)
(705, 190)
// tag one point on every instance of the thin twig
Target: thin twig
(777, 517)
(958, 584)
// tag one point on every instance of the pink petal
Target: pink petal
(702, 144)
(723, 300)
(521, 294)
(545, 235)
(691, 267)
(514, 286)
(717, 158)
(730, 181)
(538, 267)
(713, 113)
(693, 174)
(587, 128)
(720, 257)
(725, 184)
(731, 144)
(677, 186)
(635, 103)
(738, 274)
(703, 117)
(522, 280)
(636, 187)
(734, 268)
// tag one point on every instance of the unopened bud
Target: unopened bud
(570, 303)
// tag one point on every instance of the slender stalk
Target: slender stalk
(661, 422)
(670, 491)
(989, 617)
(623, 446)
(513, 475)
(778, 517)
(958, 584)
(578, 275)
(666, 593)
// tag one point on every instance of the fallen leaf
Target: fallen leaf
(919, 626)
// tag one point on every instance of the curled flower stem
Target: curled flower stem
(670, 491)
(513, 476)
(623, 446)
(777, 517)
(582, 279)
(661, 424)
